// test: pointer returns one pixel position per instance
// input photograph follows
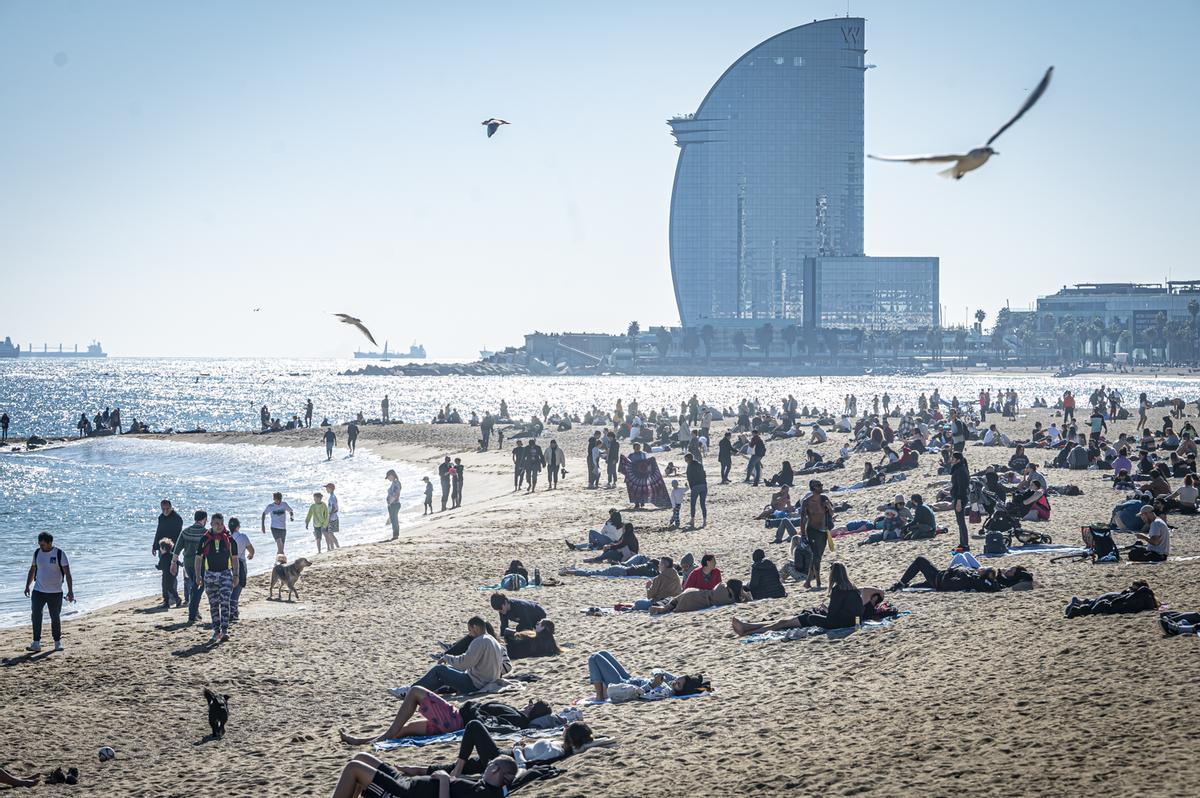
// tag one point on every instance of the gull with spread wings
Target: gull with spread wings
(979, 156)
(345, 319)
(493, 125)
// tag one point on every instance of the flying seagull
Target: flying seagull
(978, 156)
(493, 125)
(357, 323)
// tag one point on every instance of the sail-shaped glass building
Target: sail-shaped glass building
(768, 194)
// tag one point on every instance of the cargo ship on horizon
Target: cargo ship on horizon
(93, 350)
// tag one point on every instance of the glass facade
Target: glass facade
(1132, 306)
(770, 173)
(875, 293)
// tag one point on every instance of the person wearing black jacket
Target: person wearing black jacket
(614, 458)
(534, 460)
(169, 526)
(524, 614)
(518, 458)
(697, 488)
(764, 578)
(725, 456)
(982, 580)
(444, 477)
(843, 610)
(960, 494)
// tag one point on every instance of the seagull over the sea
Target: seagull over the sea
(979, 156)
(345, 319)
(493, 125)
(256, 310)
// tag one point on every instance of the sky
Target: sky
(165, 168)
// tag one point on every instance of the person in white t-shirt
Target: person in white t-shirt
(280, 511)
(245, 551)
(677, 494)
(334, 523)
(46, 574)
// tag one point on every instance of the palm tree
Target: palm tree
(691, 342)
(707, 333)
(739, 342)
(979, 317)
(1028, 337)
(632, 333)
(789, 338)
(960, 343)
(1113, 333)
(763, 336)
(662, 342)
(998, 345)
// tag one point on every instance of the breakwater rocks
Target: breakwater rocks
(438, 370)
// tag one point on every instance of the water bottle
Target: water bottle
(537, 577)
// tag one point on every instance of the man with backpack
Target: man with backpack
(46, 574)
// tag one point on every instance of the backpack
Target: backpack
(994, 544)
(620, 693)
(57, 558)
(1104, 548)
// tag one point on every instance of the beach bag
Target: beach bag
(994, 544)
(976, 514)
(1104, 548)
(620, 693)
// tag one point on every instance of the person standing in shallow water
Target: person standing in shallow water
(330, 442)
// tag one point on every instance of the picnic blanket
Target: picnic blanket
(1034, 548)
(814, 631)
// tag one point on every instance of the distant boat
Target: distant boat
(7, 349)
(415, 352)
(93, 350)
(484, 354)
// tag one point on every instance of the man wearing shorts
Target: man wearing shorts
(278, 510)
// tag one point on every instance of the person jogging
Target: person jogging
(279, 510)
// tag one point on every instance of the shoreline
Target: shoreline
(369, 615)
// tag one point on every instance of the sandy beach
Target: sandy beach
(969, 694)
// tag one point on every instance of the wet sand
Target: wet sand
(970, 694)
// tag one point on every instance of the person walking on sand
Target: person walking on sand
(216, 562)
(393, 501)
(428, 497)
(556, 461)
(456, 483)
(331, 541)
(46, 574)
(308, 408)
(612, 458)
(169, 526)
(330, 442)
(518, 458)
(384, 406)
(318, 516)
(960, 494)
(280, 511)
(534, 460)
(725, 456)
(245, 552)
(444, 477)
(697, 488)
(351, 437)
(186, 547)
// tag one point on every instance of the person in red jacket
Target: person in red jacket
(707, 576)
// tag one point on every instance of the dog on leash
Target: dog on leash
(286, 574)
(218, 712)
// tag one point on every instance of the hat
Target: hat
(898, 497)
(330, 485)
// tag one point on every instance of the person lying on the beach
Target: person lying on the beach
(367, 774)
(982, 580)
(440, 717)
(604, 671)
(637, 565)
(477, 749)
(693, 599)
(536, 642)
(10, 780)
(844, 609)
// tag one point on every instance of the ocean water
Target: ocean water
(99, 498)
(46, 396)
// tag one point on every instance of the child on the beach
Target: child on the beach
(318, 516)
(170, 578)
(677, 494)
(428, 496)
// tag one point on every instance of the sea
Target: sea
(99, 497)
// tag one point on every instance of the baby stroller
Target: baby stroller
(1001, 520)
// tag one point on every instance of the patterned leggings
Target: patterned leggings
(219, 587)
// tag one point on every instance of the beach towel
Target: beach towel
(817, 631)
(644, 482)
(592, 702)
(1032, 548)
(455, 736)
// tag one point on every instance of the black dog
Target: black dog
(218, 712)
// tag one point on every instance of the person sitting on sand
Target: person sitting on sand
(956, 578)
(477, 749)
(692, 599)
(1183, 500)
(706, 577)
(604, 671)
(620, 550)
(609, 533)
(368, 775)
(781, 502)
(784, 477)
(844, 609)
(764, 578)
(1153, 545)
(481, 664)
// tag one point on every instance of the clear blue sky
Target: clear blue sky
(166, 167)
